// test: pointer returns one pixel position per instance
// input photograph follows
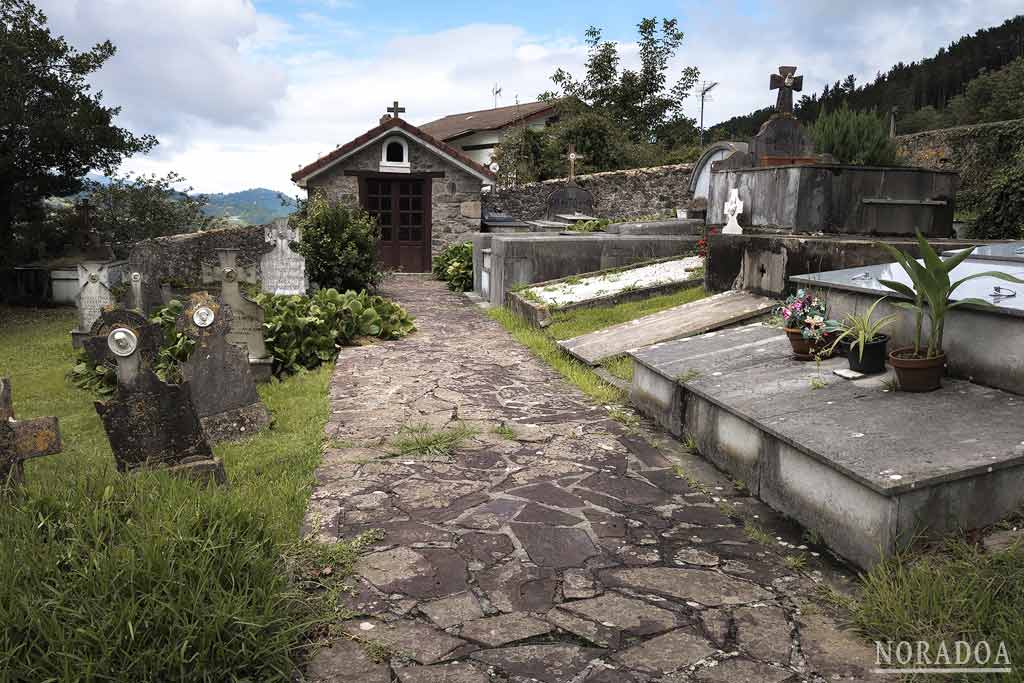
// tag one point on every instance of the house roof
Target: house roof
(457, 125)
(392, 125)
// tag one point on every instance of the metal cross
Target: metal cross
(22, 439)
(573, 157)
(785, 82)
(396, 110)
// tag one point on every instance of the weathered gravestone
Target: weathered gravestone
(222, 389)
(95, 282)
(283, 270)
(782, 139)
(247, 315)
(22, 439)
(150, 424)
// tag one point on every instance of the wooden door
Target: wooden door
(401, 206)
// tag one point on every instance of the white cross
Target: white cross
(733, 208)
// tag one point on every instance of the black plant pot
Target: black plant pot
(872, 361)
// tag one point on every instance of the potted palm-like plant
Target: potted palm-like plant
(866, 343)
(920, 367)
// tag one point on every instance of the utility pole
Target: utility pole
(705, 88)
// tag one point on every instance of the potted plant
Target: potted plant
(866, 345)
(805, 324)
(920, 367)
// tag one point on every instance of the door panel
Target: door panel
(402, 210)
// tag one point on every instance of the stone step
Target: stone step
(696, 317)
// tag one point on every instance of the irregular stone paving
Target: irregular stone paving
(573, 552)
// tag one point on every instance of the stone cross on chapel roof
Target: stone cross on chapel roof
(786, 82)
(395, 110)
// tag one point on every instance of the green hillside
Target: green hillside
(255, 207)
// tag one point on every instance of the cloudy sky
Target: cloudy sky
(241, 93)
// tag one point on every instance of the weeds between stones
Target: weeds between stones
(425, 442)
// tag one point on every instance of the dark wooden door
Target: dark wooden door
(402, 209)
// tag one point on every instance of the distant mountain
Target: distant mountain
(255, 207)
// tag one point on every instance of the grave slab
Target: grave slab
(849, 459)
(696, 317)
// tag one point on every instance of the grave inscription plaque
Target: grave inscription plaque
(283, 270)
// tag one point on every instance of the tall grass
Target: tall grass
(148, 577)
(574, 322)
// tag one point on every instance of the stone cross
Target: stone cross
(221, 384)
(786, 82)
(733, 208)
(95, 279)
(396, 110)
(22, 439)
(573, 157)
(282, 270)
(149, 423)
(247, 327)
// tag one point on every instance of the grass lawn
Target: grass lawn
(149, 577)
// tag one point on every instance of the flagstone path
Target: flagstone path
(562, 548)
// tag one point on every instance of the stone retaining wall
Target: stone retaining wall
(617, 194)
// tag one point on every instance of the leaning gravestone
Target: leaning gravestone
(95, 282)
(283, 270)
(247, 315)
(22, 439)
(150, 424)
(222, 388)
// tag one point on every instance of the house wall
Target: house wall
(455, 197)
(491, 137)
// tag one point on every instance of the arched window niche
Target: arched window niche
(394, 155)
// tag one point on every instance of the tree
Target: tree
(53, 129)
(640, 101)
(132, 208)
(854, 137)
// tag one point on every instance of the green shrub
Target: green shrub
(1000, 205)
(339, 243)
(303, 332)
(854, 137)
(454, 265)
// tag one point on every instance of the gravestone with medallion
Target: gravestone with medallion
(222, 388)
(96, 282)
(247, 315)
(282, 270)
(150, 424)
(21, 440)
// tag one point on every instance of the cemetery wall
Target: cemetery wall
(974, 151)
(617, 194)
(455, 198)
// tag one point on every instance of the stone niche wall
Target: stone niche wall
(974, 151)
(617, 194)
(177, 260)
(455, 207)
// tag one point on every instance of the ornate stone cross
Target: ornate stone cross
(22, 439)
(786, 82)
(573, 156)
(396, 110)
(733, 208)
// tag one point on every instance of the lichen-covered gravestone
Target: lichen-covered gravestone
(150, 424)
(247, 325)
(283, 271)
(22, 439)
(95, 282)
(222, 388)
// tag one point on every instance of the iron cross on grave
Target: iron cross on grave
(573, 156)
(395, 110)
(786, 82)
(22, 439)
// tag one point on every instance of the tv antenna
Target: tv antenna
(496, 91)
(705, 89)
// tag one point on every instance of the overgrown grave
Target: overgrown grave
(150, 424)
(21, 440)
(222, 388)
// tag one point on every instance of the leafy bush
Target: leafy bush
(1000, 204)
(339, 243)
(303, 332)
(593, 225)
(854, 137)
(454, 265)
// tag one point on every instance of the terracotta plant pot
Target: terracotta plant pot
(917, 374)
(801, 346)
(872, 360)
